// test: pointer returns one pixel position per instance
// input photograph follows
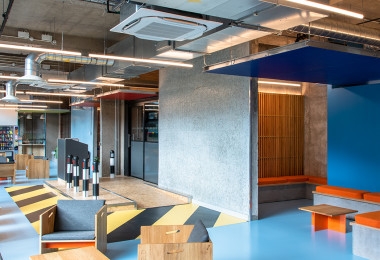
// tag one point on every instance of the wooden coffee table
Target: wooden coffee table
(88, 253)
(328, 217)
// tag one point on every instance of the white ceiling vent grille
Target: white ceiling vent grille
(158, 26)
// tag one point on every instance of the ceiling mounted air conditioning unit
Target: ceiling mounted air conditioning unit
(155, 25)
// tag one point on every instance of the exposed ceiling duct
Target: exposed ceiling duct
(33, 64)
(10, 93)
(224, 36)
(341, 31)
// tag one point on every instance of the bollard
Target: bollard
(95, 180)
(76, 173)
(69, 174)
(112, 164)
(86, 177)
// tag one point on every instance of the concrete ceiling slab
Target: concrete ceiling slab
(76, 18)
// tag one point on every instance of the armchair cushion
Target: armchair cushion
(76, 215)
(199, 233)
(70, 235)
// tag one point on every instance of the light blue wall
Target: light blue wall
(354, 137)
(82, 127)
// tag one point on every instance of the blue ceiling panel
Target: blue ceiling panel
(308, 61)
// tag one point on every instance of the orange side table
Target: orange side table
(328, 217)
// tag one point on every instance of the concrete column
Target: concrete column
(315, 133)
(52, 130)
(206, 145)
(254, 147)
(107, 135)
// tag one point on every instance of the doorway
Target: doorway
(144, 141)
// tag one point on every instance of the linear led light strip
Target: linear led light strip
(36, 49)
(48, 94)
(52, 94)
(42, 101)
(162, 62)
(9, 77)
(279, 83)
(352, 34)
(22, 106)
(85, 82)
(327, 8)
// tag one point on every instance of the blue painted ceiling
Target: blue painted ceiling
(307, 63)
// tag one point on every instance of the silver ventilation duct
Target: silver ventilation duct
(341, 31)
(10, 92)
(33, 64)
(73, 59)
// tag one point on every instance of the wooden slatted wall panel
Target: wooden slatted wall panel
(281, 135)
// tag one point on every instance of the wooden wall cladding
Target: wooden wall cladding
(281, 135)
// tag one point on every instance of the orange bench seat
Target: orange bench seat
(373, 196)
(292, 179)
(340, 191)
(371, 219)
(299, 178)
(272, 180)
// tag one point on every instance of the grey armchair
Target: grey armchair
(72, 224)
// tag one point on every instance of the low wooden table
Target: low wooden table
(328, 217)
(88, 253)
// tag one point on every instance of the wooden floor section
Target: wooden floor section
(114, 201)
(145, 194)
(125, 191)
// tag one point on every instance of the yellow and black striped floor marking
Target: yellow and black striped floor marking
(121, 225)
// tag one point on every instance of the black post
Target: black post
(86, 177)
(112, 164)
(76, 174)
(69, 174)
(95, 180)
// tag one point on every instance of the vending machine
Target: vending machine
(8, 144)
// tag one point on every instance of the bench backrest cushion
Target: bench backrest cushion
(373, 196)
(340, 191)
(199, 233)
(76, 215)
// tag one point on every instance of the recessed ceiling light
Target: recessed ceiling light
(161, 62)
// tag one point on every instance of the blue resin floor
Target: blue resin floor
(284, 232)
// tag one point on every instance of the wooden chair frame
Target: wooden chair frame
(8, 170)
(47, 226)
(170, 242)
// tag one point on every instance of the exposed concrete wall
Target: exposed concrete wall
(107, 134)
(52, 131)
(315, 142)
(205, 128)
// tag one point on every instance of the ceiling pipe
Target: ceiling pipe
(340, 31)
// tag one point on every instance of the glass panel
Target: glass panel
(137, 123)
(151, 122)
